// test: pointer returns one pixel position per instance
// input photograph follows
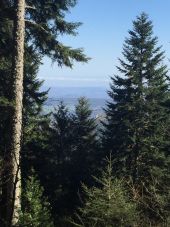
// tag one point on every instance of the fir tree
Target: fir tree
(137, 117)
(62, 133)
(72, 149)
(45, 21)
(108, 204)
(35, 208)
(57, 160)
(84, 151)
(33, 101)
(42, 30)
(86, 145)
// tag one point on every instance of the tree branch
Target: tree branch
(35, 24)
(30, 7)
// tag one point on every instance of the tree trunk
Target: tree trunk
(12, 176)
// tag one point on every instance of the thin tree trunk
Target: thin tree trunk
(12, 180)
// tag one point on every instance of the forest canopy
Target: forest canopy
(69, 167)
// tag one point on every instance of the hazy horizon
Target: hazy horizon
(105, 26)
(76, 92)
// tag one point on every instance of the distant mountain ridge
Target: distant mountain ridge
(76, 92)
(97, 97)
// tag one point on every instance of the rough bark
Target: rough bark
(11, 176)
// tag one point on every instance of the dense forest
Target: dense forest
(67, 168)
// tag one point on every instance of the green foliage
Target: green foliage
(45, 22)
(62, 133)
(153, 201)
(108, 204)
(136, 130)
(33, 98)
(35, 208)
(57, 159)
(86, 145)
(69, 156)
(64, 151)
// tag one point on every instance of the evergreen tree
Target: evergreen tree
(45, 21)
(108, 204)
(33, 98)
(54, 161)
(84, 151)
(42, 34)
(86, 145)
(62, 133)
(35, 208)
(72, 148)
(137, 116)
(34, 122)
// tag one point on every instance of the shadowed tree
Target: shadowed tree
(45, 21)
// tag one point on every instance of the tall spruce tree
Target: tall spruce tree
(83, 159)
(11, 190)
(43, 36)
(137, 116)
(32, 103)
(56, 157)
(62, 133)
(71, 158)
(84, 154)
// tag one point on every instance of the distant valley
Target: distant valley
(97, 97)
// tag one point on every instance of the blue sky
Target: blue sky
(105, 26)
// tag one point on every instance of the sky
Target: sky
(105, 26)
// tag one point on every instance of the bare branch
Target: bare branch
(30, 7)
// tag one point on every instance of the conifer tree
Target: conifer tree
(45, 21)
(35, 208)
(85, 153)
(42, 33)
(137, 118)
(62, 133)
(32, 103)
(57, 160)
(72, 157)
(107, 204)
